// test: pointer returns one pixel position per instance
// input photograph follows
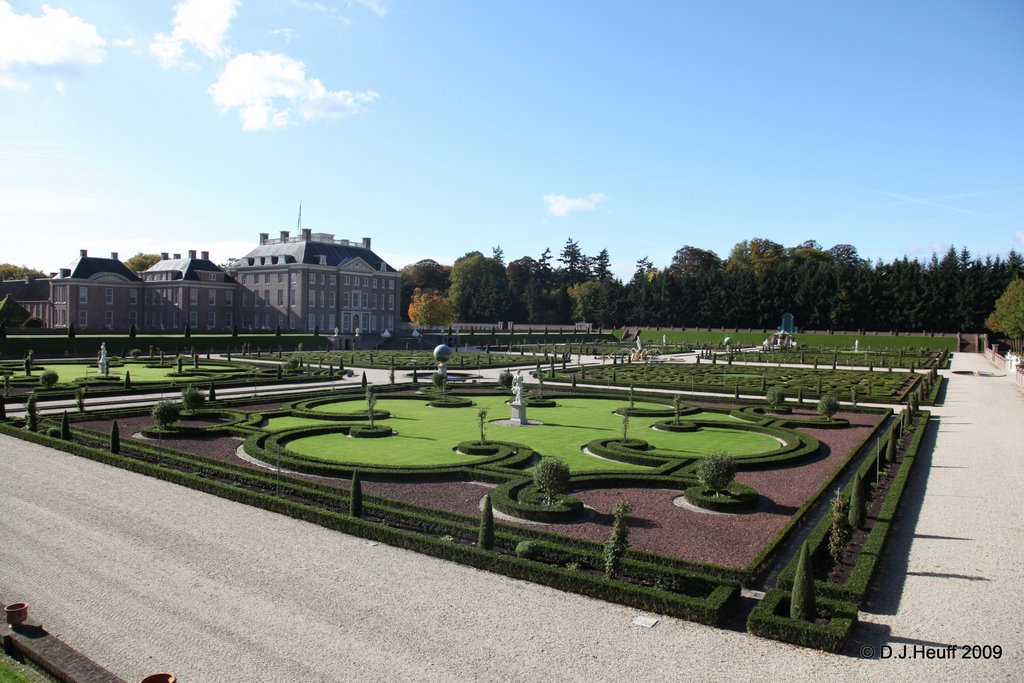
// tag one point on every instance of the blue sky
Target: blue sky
(442, 127)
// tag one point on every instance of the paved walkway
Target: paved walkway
(146, 576)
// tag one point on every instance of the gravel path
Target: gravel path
(145, 576)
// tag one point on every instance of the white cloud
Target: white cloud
(124, 42)
(53, 40)
(560, 205)
(321, 8)
(269, 88)
(1020, 237)
(59, 87)
(200, 23)
(287, 33)
(375, 6)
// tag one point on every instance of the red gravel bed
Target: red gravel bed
(656, 524)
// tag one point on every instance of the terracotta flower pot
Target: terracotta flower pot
(16, 613)
(159, 678)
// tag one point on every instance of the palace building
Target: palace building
(310, 281)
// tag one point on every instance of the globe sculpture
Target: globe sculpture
(441, 354)
(728, 341)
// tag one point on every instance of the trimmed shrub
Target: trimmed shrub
(192, 399)
(32, 413)
(49, 378)
(355, 501)
(65, 427)
(53, 432)
(165, 413)
(115, 438)
(736, 498)
(127, 379)
(828, 406)
(716, 471)
(802, 605)
(775, 396)
(485, 539)
(551, 476)
(856, 514)
(527, 550)
(618, 542)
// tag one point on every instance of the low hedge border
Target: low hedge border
(369, 432)
(758, 565)
(707, 610)
(672, 426)
(855, 589)
(766, 622)
(234, 418)
(782, 420)
(520, 498)
(739, 498)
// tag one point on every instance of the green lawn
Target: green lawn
(843, 340)
(427, 435)
(140, 373)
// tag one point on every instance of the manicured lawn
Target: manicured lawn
(427, 435)
(843, 340)
(139, 371)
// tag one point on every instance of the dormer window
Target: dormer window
(323, 259)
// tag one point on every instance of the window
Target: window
(323, 279)
(280, 319)
(346, 322)
(331, 300)
(245, 299)
(266, 278)
(347, 280)
(108, 319)
(175, 317)
(391, 322)
(332, 321)
(373, 300)
(280, 297)
(391, 284)
(211, 320)
(211, 299)
(391, 301)
(345, 297)
(355, 299)
(323, 298)
(312, 278)
(334, 279)
(229, 298)
(366, 282)
(132, 317)
(108, 296)
(83, 295)
(212, 277)
(83, 318)
(133, 296)
(149, 319)
(193, 318)
(375, 283)
(193, 296)
(312, 298)
(266, 297)
(311, 323)
(291, 298)
(293, 280)
(229, 318)
(176, 293)
(280, 278)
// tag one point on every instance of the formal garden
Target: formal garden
(665, 502)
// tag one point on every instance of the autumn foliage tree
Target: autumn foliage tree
(430, 309)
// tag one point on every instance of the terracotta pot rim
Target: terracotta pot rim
(16, 607)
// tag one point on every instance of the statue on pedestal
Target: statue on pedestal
(103, 359)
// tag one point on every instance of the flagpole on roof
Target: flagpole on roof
(299, 227)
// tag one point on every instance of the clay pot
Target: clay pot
(159, 678)
(16, 613)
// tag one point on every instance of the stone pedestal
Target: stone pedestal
(519, 413)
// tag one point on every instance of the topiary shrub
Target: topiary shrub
(355, 502)
(115, 438)
(775, 396)
(192, 399)
(165, 413)
(32, 413)
(616, 545)
(33, 322)
(802, 601)
(716, 471)
(127, 379)
(551, 476)
(485, 539)
(49, 378)
(369, 431)
(505, 379)
(53, 432)
(65, 427)
(527, 550)
(857, 503)
(828, 406)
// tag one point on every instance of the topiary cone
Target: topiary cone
(356, 496)
(802, 601)
(485, 539)
(115, 438)
(856, 514)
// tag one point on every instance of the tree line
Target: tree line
(750, 288)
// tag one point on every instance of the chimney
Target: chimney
(366, 243)
(113, 255)
(83, 252)
(264, 236)
(163, 255)
(284, 236)
(53, 275)
(30, 278)
(65, 272)
(177, 256)
(191, 253)
(307, 234)
(205, 255)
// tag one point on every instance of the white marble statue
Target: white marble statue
(103, 359)
(517, 389)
